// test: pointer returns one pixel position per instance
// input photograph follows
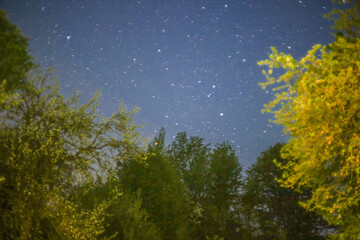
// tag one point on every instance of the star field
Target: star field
(188, 65)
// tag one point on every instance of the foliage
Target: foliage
(275, 211)
(65, 173)
(49, 146)
(191, 156)
(135, 220)
(127, 219)
(223, 193)
(319, 108)
(15, 60)
(163, 194)
(346, 20)
(213, 179)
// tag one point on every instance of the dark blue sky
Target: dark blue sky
(189, 65)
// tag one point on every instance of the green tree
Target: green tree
(223, 193)
(15, 60)
(134, 220)
(164, 196)
(49, 146)
(192, 158)
(275, 210)
(213, 180)
(319, 108)
(125, 218)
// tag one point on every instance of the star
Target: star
(192, 67)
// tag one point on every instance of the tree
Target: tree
(213, 179)
(134, 220)
(125, 217)
(223, 193)
(49, 147)
(319, 108)
(163, 194)
(191, 157)
(275, 210)
(15, 60)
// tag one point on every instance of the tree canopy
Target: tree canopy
(318, 104)
(272, 211)
(15, 60)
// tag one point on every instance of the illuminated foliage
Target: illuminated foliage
(49, 147)
(318, 104)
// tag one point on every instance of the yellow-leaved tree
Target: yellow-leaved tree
(318, 103)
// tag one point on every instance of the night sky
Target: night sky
(188, 65)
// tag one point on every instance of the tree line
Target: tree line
(66, 173)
